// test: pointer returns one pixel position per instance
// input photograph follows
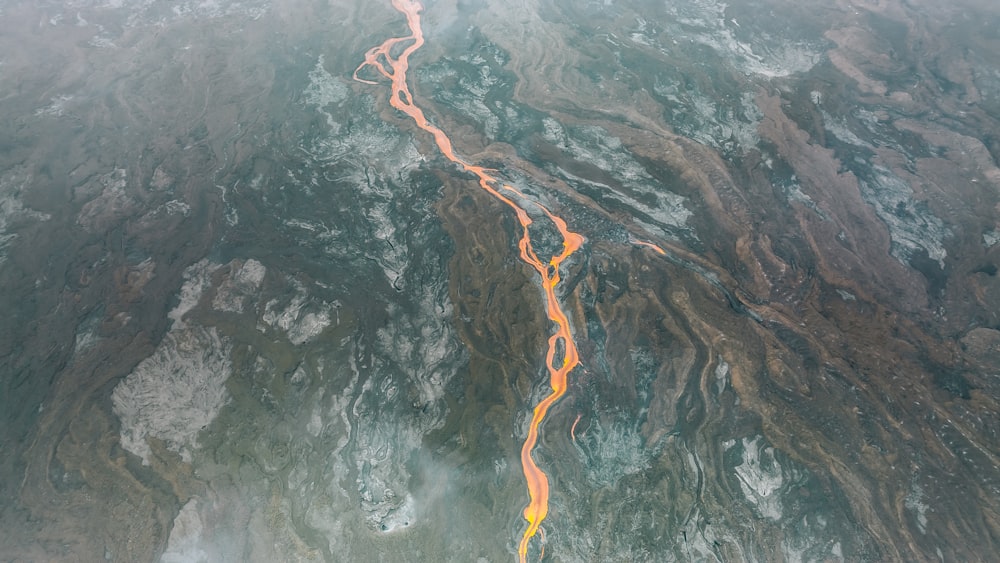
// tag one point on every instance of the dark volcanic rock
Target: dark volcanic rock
(253, 313)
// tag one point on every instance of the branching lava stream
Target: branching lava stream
(394, 68)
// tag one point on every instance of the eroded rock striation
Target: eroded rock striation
(251, 309)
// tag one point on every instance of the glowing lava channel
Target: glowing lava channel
(394, 68)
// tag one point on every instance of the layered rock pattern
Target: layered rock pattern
(252, 315)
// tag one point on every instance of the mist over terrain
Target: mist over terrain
(258, 309)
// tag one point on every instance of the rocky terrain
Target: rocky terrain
(252, 314)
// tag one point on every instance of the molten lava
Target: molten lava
(394, 68)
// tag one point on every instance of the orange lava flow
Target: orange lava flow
(650, 245)
(572, 429)
(394, 68)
